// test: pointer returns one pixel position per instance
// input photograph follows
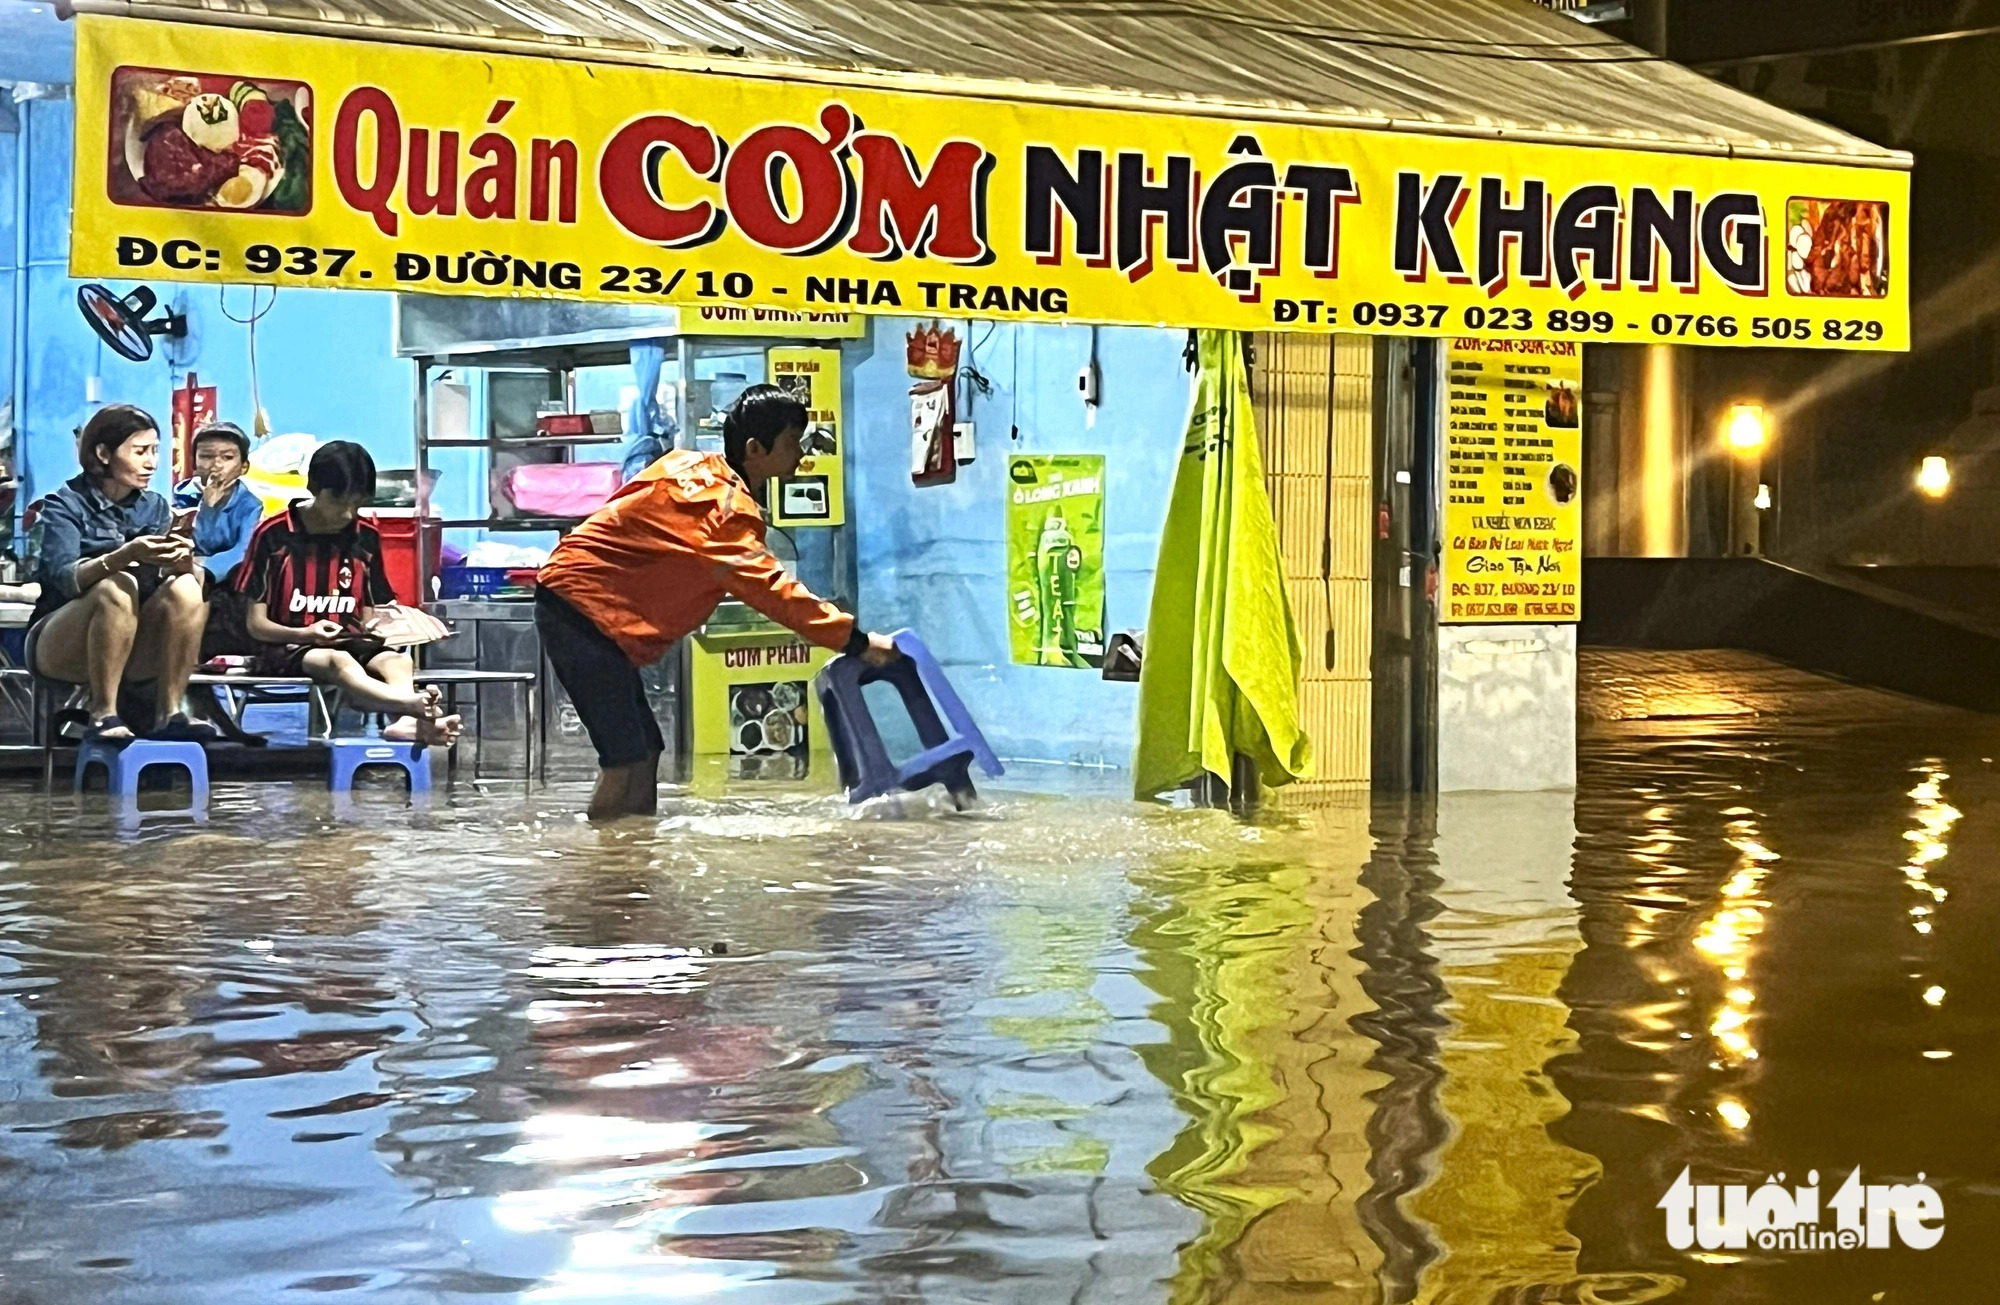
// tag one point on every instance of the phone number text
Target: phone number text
(1556, 322)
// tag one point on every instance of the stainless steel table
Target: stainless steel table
(529, 681)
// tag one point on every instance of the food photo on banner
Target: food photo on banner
(210, 141)
(240, 156)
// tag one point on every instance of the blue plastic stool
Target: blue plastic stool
(123, 763)
(350, 755)
(865, 768)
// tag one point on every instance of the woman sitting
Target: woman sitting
(121, 599)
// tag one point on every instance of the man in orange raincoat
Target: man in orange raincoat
(652, 564)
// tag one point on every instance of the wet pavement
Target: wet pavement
(1063, 1050)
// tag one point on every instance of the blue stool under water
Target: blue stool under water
(866, 770)
(350, 755)
(123, 763)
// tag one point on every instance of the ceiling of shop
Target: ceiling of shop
(1485, 67)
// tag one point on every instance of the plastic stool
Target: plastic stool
(350, 755)
(865, 768)
(123, 763)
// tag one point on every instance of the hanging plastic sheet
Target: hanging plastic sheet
(653, 427)
(1220, 678)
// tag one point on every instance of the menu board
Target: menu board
(816, 493)
(1513, 515)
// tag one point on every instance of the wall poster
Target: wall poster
(1513, 514)
(1055, 559)
(815, 495)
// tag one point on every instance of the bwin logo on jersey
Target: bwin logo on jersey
(323, 604)
(1777, 1219)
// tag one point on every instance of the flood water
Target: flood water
(1067, 1050)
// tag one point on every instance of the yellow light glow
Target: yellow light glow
(1744, 428)
(1934, 476)
(1763, 499)
(1662, 490)
(1733, 1114)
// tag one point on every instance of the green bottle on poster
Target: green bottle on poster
(1058, 565)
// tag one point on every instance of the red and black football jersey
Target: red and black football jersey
(301, 577)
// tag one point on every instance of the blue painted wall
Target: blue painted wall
(935, 559)
(931, 559)
(324, 358)
(10, 154)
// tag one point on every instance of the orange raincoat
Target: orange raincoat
(652, 564)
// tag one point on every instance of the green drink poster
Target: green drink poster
(1055, 559)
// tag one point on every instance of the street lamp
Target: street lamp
(1934, 476)
(1745, 431)
(1933, 482)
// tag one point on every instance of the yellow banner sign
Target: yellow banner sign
(1513, 515)
(209, 154)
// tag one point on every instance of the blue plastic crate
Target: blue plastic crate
(471, 581)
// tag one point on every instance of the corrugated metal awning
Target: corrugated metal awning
(1492, 68)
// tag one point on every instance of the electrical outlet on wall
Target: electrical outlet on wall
(961, 438)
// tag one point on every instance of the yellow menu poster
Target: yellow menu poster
(1513, 514)
(816, 494)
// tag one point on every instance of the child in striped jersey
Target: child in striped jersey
(313, 579)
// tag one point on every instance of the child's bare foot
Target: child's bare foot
(438, 731)
(424, 704)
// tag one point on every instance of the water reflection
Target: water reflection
(1504, 940)
(1250, 959)
(1074, 1050)
(1406, 1127)
(1726, 939)
(1753, 1000)
(1930, 841)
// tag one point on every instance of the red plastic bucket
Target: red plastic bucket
(399, 552)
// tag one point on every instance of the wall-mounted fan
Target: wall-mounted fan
(122, 323)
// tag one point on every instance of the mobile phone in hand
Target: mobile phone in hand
(184, 522)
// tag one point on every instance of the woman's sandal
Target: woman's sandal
(99, 731)
(180, 728)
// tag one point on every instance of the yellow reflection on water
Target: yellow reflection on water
(1930, 840)
(1727, 938)
(1275, 1155)
(1412, 1162)
(1501, 1197)
(1255, 965)
(1049, 938)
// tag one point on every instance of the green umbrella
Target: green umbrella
(1220, 675)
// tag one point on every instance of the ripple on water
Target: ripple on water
(1076, 1048)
